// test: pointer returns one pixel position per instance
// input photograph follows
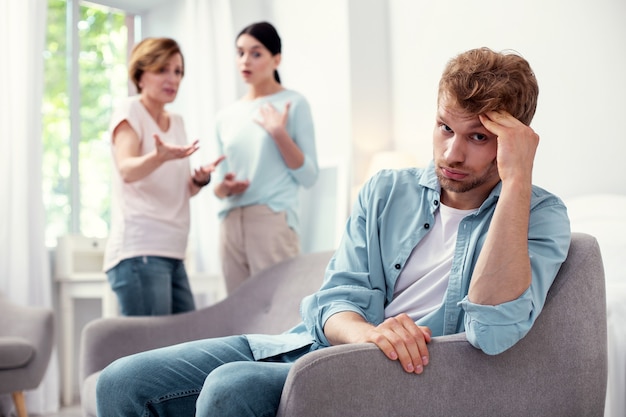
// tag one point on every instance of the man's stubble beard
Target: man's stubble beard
(464, 187)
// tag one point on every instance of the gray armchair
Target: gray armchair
(558, 369)
(26, 339)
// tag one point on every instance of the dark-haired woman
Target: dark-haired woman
(152, 184)
(269, 142)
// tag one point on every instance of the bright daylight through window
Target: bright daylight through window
(85, 71)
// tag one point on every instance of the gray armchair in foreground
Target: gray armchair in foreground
(26, 340)
(558, 369)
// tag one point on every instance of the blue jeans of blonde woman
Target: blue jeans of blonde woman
(151, 286)
(211, 377)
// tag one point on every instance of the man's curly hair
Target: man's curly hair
(481, 80)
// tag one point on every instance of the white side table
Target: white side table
(78, 275)
(83, 286)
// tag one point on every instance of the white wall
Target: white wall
(577, 49)
(316, 62)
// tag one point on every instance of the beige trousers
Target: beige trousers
(253, 238)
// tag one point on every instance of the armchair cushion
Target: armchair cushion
(15, 352)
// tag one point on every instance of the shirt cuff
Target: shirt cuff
(306, 175)
(494, 329)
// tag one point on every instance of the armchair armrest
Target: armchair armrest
(358, 380)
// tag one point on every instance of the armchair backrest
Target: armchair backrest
(25, 327)
(268, 302)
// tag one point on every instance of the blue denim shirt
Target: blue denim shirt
(393, 212)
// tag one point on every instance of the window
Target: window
(85, 71)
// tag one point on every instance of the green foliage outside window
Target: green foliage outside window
(101, 71)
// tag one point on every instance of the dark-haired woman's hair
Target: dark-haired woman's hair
(265, 33)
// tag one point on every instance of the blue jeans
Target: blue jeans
(151, 286)
(211, 377)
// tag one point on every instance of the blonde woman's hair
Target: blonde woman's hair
(150, 55)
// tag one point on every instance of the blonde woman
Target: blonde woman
(152, 185)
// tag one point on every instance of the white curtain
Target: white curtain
(24, 261)
(206, 36)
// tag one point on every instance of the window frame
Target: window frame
(73, 69)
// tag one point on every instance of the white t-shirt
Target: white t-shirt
(149, 216)
(424, 279)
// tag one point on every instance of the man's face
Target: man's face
(465, 157)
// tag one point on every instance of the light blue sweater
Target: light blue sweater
(252, 154)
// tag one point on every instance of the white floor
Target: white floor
(73, 411)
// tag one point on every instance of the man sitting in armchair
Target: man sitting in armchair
(467, 244)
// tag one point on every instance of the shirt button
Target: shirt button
(436, 202)
(397, 266)
(426, 226)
